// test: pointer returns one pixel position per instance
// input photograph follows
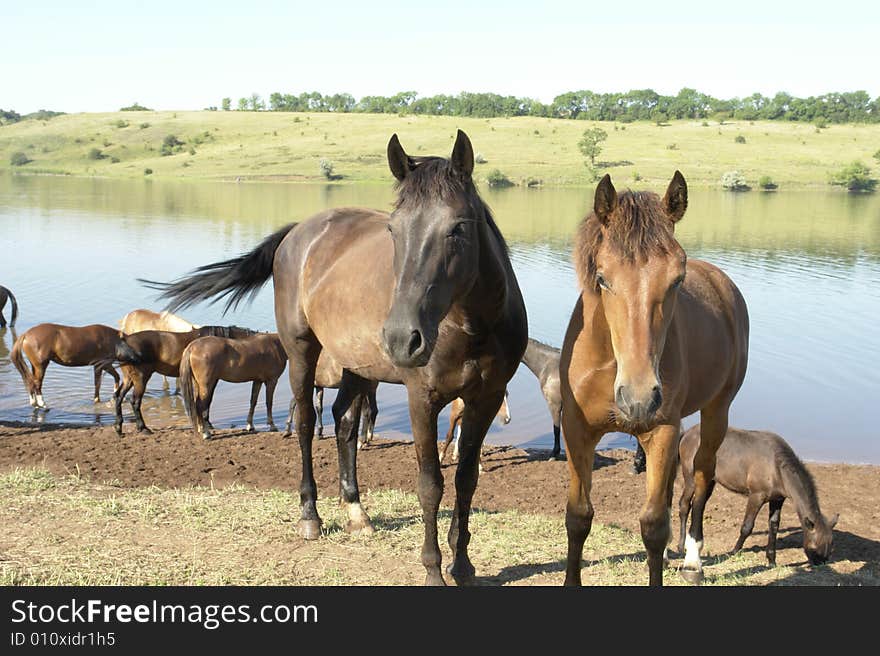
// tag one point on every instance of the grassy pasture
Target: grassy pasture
(289, 146)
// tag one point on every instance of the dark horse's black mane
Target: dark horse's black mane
(786, 459)
(434, 177)
(229, 332)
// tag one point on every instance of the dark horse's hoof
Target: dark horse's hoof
(692, 576)
(118, 429)
(145, 430)
(464, 575)
(309, 529)
(556, 456)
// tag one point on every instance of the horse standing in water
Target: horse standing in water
(328, 374)
(764, 467)
(543, 361)
(207, 360)
(425, 296)
(653, 337)
(139, 320)
(70, 346)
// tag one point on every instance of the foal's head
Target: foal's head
(436, 227)
(628, 255)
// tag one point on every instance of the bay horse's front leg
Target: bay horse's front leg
(580, 443)
(475, 421)
(347, 414)
(423, 416)
(661, 451)
(713, 427)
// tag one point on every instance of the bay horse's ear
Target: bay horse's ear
(463, 155)
(605, 201)
(398, 160)
(676, 199)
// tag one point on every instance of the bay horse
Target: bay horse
(762, 466)
(328, 374)
(652, 338)
(141, 319)
(205, 361)
(424, 296)
(543, 361)
(156, 351)
(454, 432)
(7, 295)
(69, 346)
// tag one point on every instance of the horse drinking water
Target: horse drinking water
(425, 296)
(653, 337)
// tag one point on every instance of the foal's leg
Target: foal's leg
(475, 421)
(449, 436)
(752, 507)
(270, 395)
(423, 417)
(137, 396)
(775, 514)
(685, 501)
(291, 408)
(580, 442)
(347, 414)
(368, 421)
(255, 395)
(713, 427)
(661, 451)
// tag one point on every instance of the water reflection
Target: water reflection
(808, 264)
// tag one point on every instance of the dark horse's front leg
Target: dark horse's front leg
(423, 415)
(346, 413)
(475, 421)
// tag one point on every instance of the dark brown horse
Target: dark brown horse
(543, 361)
(762, 466)
(653, 337)
(7, 295)
(425, 296)
(328, 374)
(205, 361)
(156, 351)
(70, 346)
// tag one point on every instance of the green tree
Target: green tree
(242, 104)
(255, 102)
(591, 144)
(226, 104)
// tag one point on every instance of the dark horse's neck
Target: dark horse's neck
(799, 487)
(486, 302)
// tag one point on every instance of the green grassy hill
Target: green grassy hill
(289, 147)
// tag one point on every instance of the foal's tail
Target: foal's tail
(185, 385)
(239, 278)
(17, 358)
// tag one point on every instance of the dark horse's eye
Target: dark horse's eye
(458, 230)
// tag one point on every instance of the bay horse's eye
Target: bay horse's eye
(600, 280)
(677, 283)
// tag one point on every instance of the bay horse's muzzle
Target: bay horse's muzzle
(638, 408)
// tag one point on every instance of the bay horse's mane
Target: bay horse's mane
(430, 178)
(638, 228)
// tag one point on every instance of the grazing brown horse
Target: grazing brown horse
(260, 358)
(70, 346)
(543, 361)
(762, 466)
(6, 294)
(140, 320)
(152, 351)
(328, 374)
(653, 337)
(456, 412)
(425, 296)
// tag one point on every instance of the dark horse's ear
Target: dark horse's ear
(833, 521)
(605, 201)
(463, 155)
(676, 199)
(398, 160)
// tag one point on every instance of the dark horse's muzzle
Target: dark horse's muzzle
(406, 343)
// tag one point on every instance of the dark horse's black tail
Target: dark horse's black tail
(239, 278)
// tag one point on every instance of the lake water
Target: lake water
(808, 264)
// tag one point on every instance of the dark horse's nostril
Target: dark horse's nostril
(415, 342)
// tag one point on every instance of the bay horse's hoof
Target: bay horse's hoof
(463, 575)
(434, 579)
(692, 576)
(359, 527)
(309, 529)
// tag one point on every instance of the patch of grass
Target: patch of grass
(70, 531)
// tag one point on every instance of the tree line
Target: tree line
(637, 105)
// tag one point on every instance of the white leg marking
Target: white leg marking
(455, 443)
(692, 550)
(40, 402)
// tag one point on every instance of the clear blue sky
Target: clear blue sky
(188, 55)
